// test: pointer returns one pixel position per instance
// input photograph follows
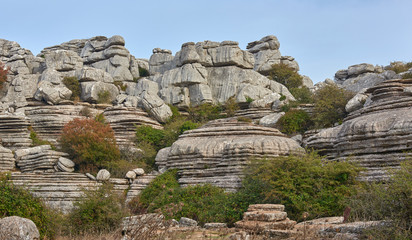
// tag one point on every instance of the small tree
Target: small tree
(3, 74)
(89, 143)
(285, 75)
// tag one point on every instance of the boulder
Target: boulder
(357, 101)
(156, 107)
(91, 91)
(271, 119)
(63, 60)
(40, 159)
(87, 74)
(13, 132)
(65, 165)
(187, 222)
(103, 175)
(138, 171)
(18, 228)
(130, 175)
(160, 61)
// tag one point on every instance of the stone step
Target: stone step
(261, 226)
(265, 216)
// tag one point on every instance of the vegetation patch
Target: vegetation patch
(36, 141)
(285, 75)
(72, 83)
(399, 67)
(104, 97)
(3, 74)
(294, 121)
(120, 85)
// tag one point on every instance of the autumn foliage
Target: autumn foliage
(3, 74)
(90, 143)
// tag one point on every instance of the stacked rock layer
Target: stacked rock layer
(13, 132)
(218, 152)
(377, 136)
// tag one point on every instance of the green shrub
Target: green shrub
(89, 143)
(72, 83)
(282, 97)
(386, 201)
(285, 75)
(120, 85)
(330, 102)
(231, 106)
(244, 119)
(399, 67)
(16, 201)
(407, 75)
(36, 141)
(305, 183)
(302, 94)
(150, 135)
(205, 112)
(294, 121)
(100, 118)
(104, 97)
(249, 99)
(143, 72)
(100, 211)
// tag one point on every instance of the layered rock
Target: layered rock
(218, 152)
(38, 159)
(60, 190)
(124, 121)
(267, 219)
(14, 131)
(376, 136)
(7, 160)
(138, 184)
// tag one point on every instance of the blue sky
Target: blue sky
(323, 35)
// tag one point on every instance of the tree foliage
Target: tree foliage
(89, 143)
(3, 74)
(285, 75)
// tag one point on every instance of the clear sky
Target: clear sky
(323, 35)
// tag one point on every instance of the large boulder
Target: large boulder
(63, 60)
(18, 228)
(217, 152)
(95, 91)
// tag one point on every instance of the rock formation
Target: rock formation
(18, 228)
(217, 152)
(376, 136)
(38, 159)
(13, 131)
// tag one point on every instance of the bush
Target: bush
(16, 201)
(120, 85)
(399, 67)
(285, 75)
(3, 74)
(104, 97)
(407, 75)
(36, 141)
(330, 102)
(304, 183)
(89, 143)
(231, 106)
(294, 121)
(100, 211)
(72, 83)
(205, 112)
(387, 201)
(143, 72)
(86, 112)
(302, 94)
(150, 135)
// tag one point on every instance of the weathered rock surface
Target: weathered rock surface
(7, 160)
(376, 136)
(18, 228)
(140, 183)
(13, 132)
(271, 120)
(61, 189)
(103, 175)
(38, 159)
(217, 152)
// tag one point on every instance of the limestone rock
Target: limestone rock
(307, 82)
(217, 152)
(51, 88)
(75, 45)
(90, 91)
(187, 222)
(138, 171)
(161, 157)
(271, 120)
(357, 101)
(38, 159)
(138, 184)
(103, 175)
(18, 228)
(7, 161)
(215, 225)
(266, 101)
(13, 132)
(157, 108)
(63, 60)
(160, 61)
(93, 74)
(130, 175)
(65, 165)
(21, 88)
(375, 136)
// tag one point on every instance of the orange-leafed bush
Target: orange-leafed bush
(91, 144)
(3, 74)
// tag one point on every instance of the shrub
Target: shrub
(86, 112)
(120, 85)
(36, 141)
(294, 121)
(285, 75)
(3, 74)
(72, 83)
(100, 118)
(399, 67)
(330, 102)
(143, 72)
(231, 106)
(407, 75)
(302, 94)
(389, 200)
(150, 135)
(89, 143)
(304, 183)
(16, 201)
(249, 99)
(205, 112)
(100, 211)
(104, 97)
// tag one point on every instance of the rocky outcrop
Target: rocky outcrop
(7, 160)
(18, 228)
(266, 53)
(376, 136)
(60, 190)
(364, 75)
(38, 159)
(267, 219)
(13, 131)
(217, 152)
(124, 121)
(140, 183)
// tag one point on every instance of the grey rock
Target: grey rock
(215, 225)
(87, 74)
(187, 222)
(40, 159)
(90, 91)
(91, 177)
(160, 61)
(130, 175)
(138, 171)
(157, 108)
(358, 69)
(307, 82)
(18, 228)
(271, 120)
(7, 161)
(103, 175)
(13, 132)
(63, 60)
(357, 101)
(115, 40)
(161, 157)
(266, 101)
